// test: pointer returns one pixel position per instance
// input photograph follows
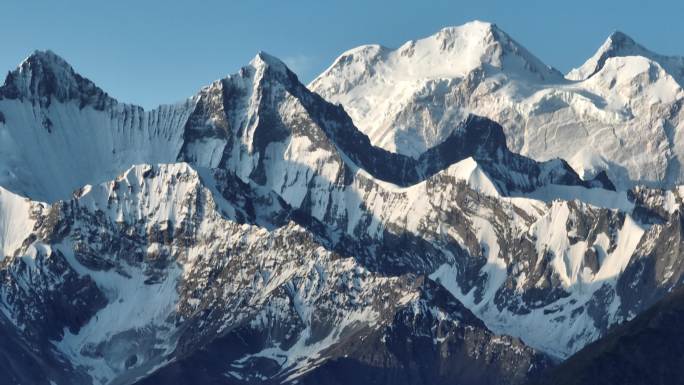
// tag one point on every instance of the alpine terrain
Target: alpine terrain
(452, 211)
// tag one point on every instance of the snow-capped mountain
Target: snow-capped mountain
(620, 112)
(619, 44)
(60, 132)
(253, 234)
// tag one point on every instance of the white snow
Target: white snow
(628, 238)
(375, 84)
(618, 44)
(83, 146)
(563, 332)
(16, 222)
(470, 171)
(623, 118)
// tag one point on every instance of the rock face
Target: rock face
(162, 267)
(621, 112)
(252, 234)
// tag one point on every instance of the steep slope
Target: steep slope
(84, 136)
(161, 269)
(621, 115)
(60, 132)
(402, 89)
(646, 350)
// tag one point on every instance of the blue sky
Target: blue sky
(150, 52)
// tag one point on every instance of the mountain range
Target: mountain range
(450, 211)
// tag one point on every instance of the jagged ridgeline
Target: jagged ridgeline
(253, 234)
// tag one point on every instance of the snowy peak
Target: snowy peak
(264, 60)
(45, 75)
(410, 99)
(392, 94)
(496, 48)
(453, 52)
(45, 59)
(266, 70)
(619, 44)
(620, 40)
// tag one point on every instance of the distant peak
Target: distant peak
(619, 40)
(44, 75)
(263, 59)
(475, 25)
(477, 29)
(619, 44)
(618, 35)
(481, 23)
(45, 58)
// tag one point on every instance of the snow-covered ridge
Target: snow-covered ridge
(237, 122)
(620, 113)
(374, 83)
(47, 152)
(84, 136)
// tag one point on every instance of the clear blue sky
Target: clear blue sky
(150, 52)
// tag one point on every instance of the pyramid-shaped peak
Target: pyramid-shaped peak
(46, 58)
(44, 76)
(265, 60)
(619, 44)
(619, 38)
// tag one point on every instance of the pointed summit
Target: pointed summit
(619, 44)
(264, 59)
(620, 40)
(266, 67)
(46, 59)
(44, 76)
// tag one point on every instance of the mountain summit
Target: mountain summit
(44, 76)
(601, 118)
(618, 44)
(382, 88)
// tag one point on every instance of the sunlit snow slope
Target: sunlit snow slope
(619, 112)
